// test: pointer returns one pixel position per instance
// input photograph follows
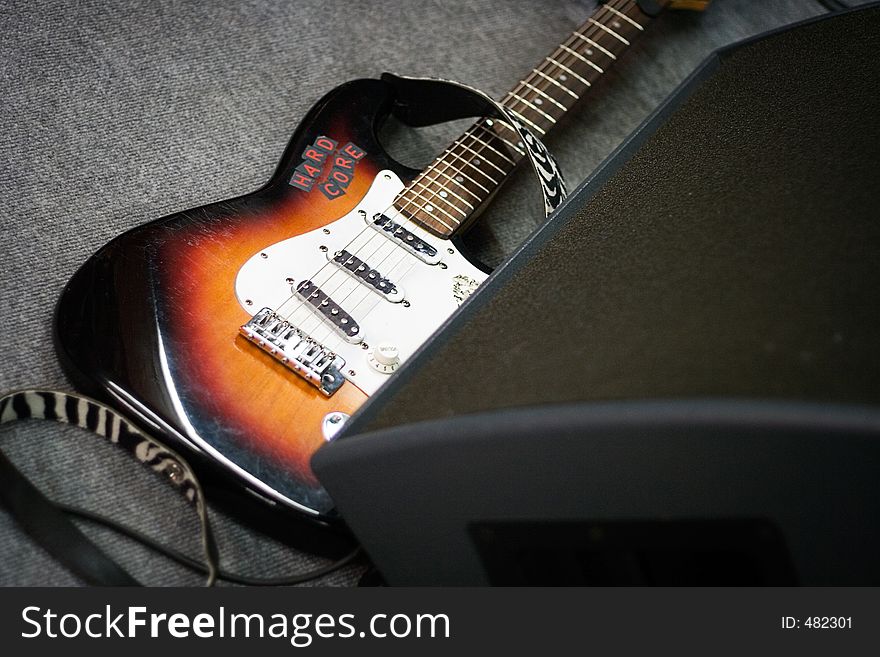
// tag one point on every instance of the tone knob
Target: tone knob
(385, 357)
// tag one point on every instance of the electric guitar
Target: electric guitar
(245, 332)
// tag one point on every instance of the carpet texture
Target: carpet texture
(119, 113)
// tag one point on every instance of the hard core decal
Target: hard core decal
(323, 156)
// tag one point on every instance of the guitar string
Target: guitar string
(463, 144)
(530, 79)
(391, 272)
(475, 141)
(318, 319)
(368, 293)
(480, 148)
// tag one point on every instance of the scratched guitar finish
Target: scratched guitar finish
(246, 331)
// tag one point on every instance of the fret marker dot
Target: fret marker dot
(616, 24)
(563, 77)
(443, 193)
(490, 122)
(589, 52)
(477, 162)
(538, 101)
(459, 179)
(429, 208)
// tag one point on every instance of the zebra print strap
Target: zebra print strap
(99, 419)
(426, 101)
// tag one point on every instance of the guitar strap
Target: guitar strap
(420, 102)
(48, 525)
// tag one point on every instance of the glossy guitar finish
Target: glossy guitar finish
(150, 322)
(194, 324)
(357, 291)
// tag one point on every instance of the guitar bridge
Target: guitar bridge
(295, 350)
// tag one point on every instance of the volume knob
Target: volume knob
(385, 357)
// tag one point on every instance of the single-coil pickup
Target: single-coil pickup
(359, 269)
(412, 242)
(331, 311)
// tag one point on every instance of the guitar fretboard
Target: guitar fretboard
(450, 192)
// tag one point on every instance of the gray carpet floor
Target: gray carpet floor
(117, 113)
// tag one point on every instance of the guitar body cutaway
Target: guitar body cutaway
(150, 322)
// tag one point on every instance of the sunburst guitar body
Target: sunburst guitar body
(245, 332)
(153, 321)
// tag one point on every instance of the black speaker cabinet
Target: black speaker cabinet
(676, 379)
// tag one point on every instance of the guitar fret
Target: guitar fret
(581, 57)
(450, 188)
(532, 106)
(466, 176)
(569, 71)
(609, 30)
(434, 218)
(438, 206)
(595, 45)
(492, 148)
(431, 204)
(525, 120)
(549, 79)
(503, 124)
(412, 211)
(444, 188)
(433, 167)
(442, 200)
(506, 125)
(550, 98)
(625, 17)
(476, 162)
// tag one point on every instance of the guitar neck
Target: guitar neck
(450, 192)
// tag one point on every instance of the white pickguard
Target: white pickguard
(428, 290)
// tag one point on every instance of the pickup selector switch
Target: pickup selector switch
(384, 357)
